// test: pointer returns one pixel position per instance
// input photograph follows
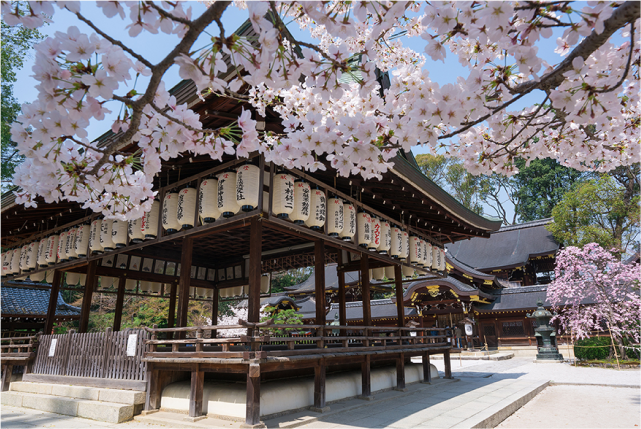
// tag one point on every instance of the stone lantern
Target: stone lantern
(548, 352)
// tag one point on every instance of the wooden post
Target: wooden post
(214, 312)
(400, 373)
(6, 377)
(171, 317)
(342, 307)
(366, 392)
(400, 309)
(427, 373)
(105, 352)
(196, 393)
(86, 299)
(255, 268)
(319, 279)
(252, 412)
(319, 388)
(184, 282)
(448, 364)
(367, 311)
(53, 302)
(152, 401)
(120, 300)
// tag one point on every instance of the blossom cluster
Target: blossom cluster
(329, 97)
(594, 291)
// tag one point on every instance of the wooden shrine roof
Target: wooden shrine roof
(22, 301)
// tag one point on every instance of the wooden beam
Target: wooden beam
(319, 279)
(53, 301)
(120, 300)
(255, 261)
(90, 284)
(342, 307)
(367, 311)
(400, 309)
(185, 280)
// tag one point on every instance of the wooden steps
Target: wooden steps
(106, 405)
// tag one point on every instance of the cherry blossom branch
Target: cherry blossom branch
(168, 15)
(163, 112)
(627, 66)
(115, 41)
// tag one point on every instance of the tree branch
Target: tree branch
(627, 66)
(168, 15)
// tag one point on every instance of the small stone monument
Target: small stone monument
(548, 352)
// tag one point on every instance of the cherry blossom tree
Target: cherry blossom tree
(586, 116)
(233, 319)
(610, 288)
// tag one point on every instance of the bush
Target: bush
(590, 349)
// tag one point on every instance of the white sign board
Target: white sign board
(131, 344)
(468, 329)
(52, 347)
(412, 334)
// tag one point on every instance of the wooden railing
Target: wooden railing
(16, 351)
(265, 340)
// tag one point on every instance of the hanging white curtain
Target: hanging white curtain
(336, 217)
(349, 222)
(150, 221)
(169, 212)
(208, 201)
(247, 184)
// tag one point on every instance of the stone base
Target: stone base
(366, 398)
(325, 409)
(404, 389)
(548, 360)
(194, 419)
(147, 412)
(257, 425)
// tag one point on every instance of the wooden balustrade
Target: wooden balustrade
(16, 351)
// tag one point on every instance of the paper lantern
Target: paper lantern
(72, 278)
(95, 245)
(435, 254)
(70, 244)
(265, 283)
(237, 291)
(6, 262)
(302, 199)
(169, 212)
(119, 233)
(49, 275)
(443, 262)
(150, 221)
(427, 256)
(200, 292)
(51, 252)
(107, 282)
(317, 210)
(405, 248)
(389, 273)
(247, 187)
(408, 271)
(106, 241)
(82, 280)
(386, 238)
(192, 291)
(23, 257)
(349, 222)
(42, 252)
(155, 288)
(82, 240)
(15, 261)
(134, 230)
(130, 284)
(145, 286)
(336, 217)
(186, 210)
(378, 273)
(363, 227)
(209, 293)
(208, 201)
(416, 250)
(375, 228)
(396, 242)
(31, 257)
(227, 204)
(283, 195)
(37, 277)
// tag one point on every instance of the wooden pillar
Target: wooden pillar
(86, 299)
(184, 282)
(255, 268)
(53, 301)
(319, 280)
(400, 372)
(6, 377)
(214, 312)
(120, 299)
(400, 309)
(152, 400)
(196, 392)
(320, 371)
(448, 364)
(367, 311)
(342, 307)
(427, 373)
(252, 412)
(366, 392)
(171, 317)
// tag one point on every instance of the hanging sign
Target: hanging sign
(131, 344)
(52, 347)
(468, 329)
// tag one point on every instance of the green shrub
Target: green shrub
(590, 350)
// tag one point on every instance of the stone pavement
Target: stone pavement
(483, 396)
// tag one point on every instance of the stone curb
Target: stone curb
(564, 383)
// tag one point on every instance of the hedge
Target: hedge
(589, 351)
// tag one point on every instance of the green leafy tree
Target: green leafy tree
(599, 210)
(282, 317)
(288, 278)
(16, 43)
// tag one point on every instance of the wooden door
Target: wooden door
(488, 334)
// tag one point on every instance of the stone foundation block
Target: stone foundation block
(22, 386)
(79, 392)
(51, 404)
(12, 399)
(128, 397)
(105, 411)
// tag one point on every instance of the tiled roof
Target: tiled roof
(32, 302)
(380, 308)
(271, 301)
(462, 266)
(331, 280)
(519, 298)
